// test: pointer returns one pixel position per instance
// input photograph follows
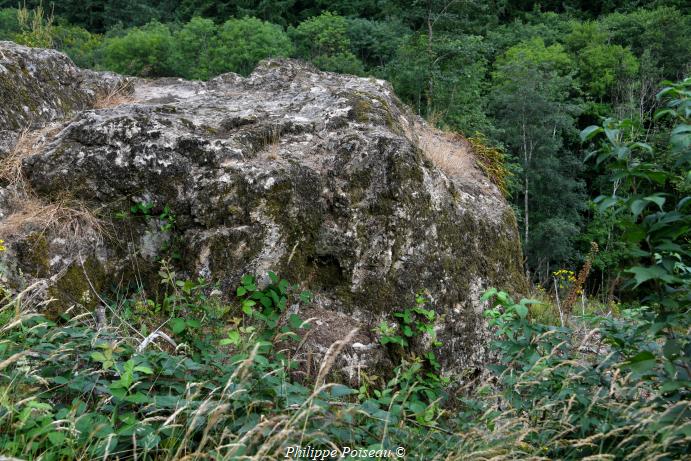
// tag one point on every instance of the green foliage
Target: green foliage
(97, 392)
(534, 53)
(664, 31)
(165, 220)
(493, 161)
(35, 27)
(429, 79)
(603, 66)
(590, 402)
(532, 105)
(78, 43)
(324, 40)
(193, 47)
(9, 24)
(242, 43)
(141, 51)
(375, 42)
(325, 34)
(651, 198)
(268, 305)
(527, 79)
(418, 375)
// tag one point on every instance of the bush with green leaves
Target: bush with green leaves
(419, 370)
(143, 51)
(607, 393)
(79, 44)
(242, 43)
(9, 24)
(324, 41)
(193, 46)
(650, 197)
(622, 389)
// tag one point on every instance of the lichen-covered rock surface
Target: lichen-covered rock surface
(313, 175)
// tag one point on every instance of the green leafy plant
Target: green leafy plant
(418, 373)
(573, 396)
(95, 393)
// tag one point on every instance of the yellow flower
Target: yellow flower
(2, 247)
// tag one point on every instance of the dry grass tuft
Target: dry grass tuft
(272, 142)
(448, 151)
(458, 156)
(28, 143)
(117, 96)
(64, 217)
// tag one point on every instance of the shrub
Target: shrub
(193, 48)
(324, 41)
(79, 44)
(141, 51)
(607, 393)
(242, 43)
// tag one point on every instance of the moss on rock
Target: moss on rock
(75, 286)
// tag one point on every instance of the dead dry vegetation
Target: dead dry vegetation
(449, 151)
(117, 96)
(461, 157)
(64, 216)
(28, 143)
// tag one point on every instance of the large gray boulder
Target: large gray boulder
(317, 176)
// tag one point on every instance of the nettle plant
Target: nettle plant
(419, 374)
(267, 306)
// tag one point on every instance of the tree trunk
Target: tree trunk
(430, 57)
(526, 213)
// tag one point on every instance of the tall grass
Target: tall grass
(80, 388)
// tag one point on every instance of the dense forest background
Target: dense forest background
(526, 77)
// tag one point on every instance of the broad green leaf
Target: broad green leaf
(178, 325)
(521, 310)
(247, 306)
(56, 438)
(637, 207)
(590, 132)
(339, 390)
(605, 202)
(233, 338)
(143, 369)
(295, 321)
(98, 357)
(643, 274)
(137, 398)
(488, 294)
(657, 199)
(642, 362)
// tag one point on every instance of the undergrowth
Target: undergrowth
(216, 381)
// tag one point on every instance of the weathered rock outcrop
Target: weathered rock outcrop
(314, 175)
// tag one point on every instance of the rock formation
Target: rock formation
(317, 176)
